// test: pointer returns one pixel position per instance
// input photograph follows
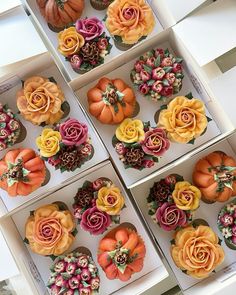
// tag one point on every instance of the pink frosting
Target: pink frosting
(73, 132)
(170, 217)
(95, 221)
(89, 28)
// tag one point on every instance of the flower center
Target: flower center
(111, 199)
(121, 258)
(129, 13)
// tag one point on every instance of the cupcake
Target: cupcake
(50, 230)
(100, 4)
(157, 74)
(97, 205)
(171, 202)
(227, 224)
(129, 21)
(196, 251)
(215, 176)
(67, 146)
(84, 45)
(40, 101)
(138, 144)
(10, 127)
(59, 14)
(74, 273)
(21, 172)
(121, 253)
(184, 119)
(111, 101)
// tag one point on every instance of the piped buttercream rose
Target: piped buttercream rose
(130, 131)
(186, 196)
(95, 221)
(89, 28)
(130, 19)
(110, 200)
(169, 217)
(40, 100)
(48, 142)
(73, 132)
(70, 41)
(49, 230)
(184, 119)
(156, 142)
(197, 251)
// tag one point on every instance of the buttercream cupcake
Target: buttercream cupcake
(171, 202)
(129, 21)
(158, 74)
(138, 144)
(184, 119)
(74, 273)
(121, 253)
(10, 127)
(21, 172)
(97, 205)
(197, 251)
(100, 4)
(111, 101)
(50, 229)
(84, 45)
(67, 146)
(227, 224)
(40, 101)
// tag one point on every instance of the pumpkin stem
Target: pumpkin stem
(224, 176)
(15, 173)
(112, 96)
(60, 3)
(120, 258)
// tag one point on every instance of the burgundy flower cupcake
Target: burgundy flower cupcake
(165, 208)
(97, 205)
(158, 74)
(10, 127)
(67, 146)
(227, 224)
(74, 273)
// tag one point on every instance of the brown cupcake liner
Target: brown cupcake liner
(98, 5)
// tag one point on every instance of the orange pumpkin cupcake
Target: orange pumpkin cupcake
(111, 101)
(128, 21)
(196, 251)
(22, 171)
(50, 229)
(121, 253)
(215, 176)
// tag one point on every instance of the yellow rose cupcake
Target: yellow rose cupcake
(97, 205)
(130, 131)
(48, 143)
(129, 21)
(40, 101)
(70, 41)
(196, 251)
(50, 230)
(184, 119)
(110, 200)
(186, 196)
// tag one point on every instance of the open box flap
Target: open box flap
(223, 88)
(7, 5)
(21, 40)
(203, 31)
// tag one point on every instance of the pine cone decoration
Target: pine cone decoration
(134, 157)
(70, 158)
(90, 51)
(84, 197)
(160, 191)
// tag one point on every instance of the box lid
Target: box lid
(224, 90)
(20, 34)
(210, 32)
(7, 5)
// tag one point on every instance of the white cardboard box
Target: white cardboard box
(17, 46)
(44, 66)
(225, 273)
(51, 40)
(152, 273)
